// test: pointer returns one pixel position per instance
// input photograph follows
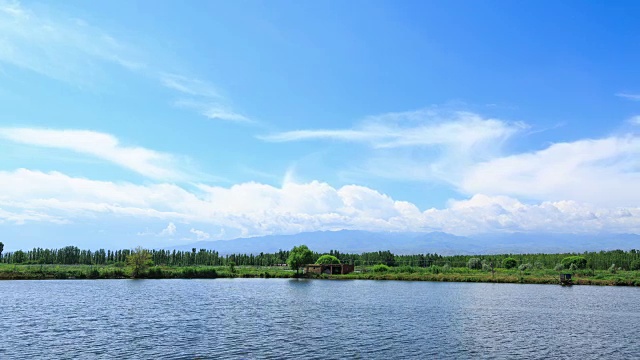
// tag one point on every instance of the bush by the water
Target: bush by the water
(509, 263)
(635, 265)
(380, 268)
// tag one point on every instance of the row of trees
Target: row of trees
(71, 255)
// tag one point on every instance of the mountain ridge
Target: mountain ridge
(358, 241)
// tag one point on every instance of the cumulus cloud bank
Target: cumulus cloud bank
(253, 209)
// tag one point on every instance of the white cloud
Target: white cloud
(425, 145)
(170, 230)
(632, 97)
(189, 86)
(203, 98)
(466, 151)
(604, 171)
(213, 110)
(200, 235)
(424, 128)
(29, 216)
(635, 120)
(253, 209)
(152, 164)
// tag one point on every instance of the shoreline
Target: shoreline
(86, 272)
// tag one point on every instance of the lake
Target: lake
(288, 318)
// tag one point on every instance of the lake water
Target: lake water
(286, 318)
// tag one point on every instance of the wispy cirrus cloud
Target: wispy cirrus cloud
(423, 145)
(66, 49)
(71, 50)
(212, 110)
(149, 163)
(202, 97)
(424, 128)
(628, 96)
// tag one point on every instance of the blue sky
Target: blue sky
(129, 123)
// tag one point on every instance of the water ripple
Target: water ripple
(279, 319)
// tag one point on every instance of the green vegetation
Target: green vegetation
(509, 263)
(474, 263)
(578, 262)
(597, 268)
(299, 256)
(139, 260)
(380, 268)
(327, 260)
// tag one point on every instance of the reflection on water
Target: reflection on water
(289, 318)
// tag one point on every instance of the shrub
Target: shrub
(327, 260)
(435, 269)
(573, 267)
(612, 269)
(474, 264)
(446, 267)
(380, 268)
(525, 267)
(538, 265)
(93, 274)
(188, 273)
(208, 273)
(509, 263)
(155, 273)
(406, 269)
(635, 265)
(558, 267)
(579, 261)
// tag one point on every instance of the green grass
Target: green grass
(433, 273)
(35, 272)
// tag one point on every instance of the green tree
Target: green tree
(139, 260)
(635, 264)
(19, 257)
(509, 263)
(327, 259)
(579, 262)
(1, 248)
(299, 256)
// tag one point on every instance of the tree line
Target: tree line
(71, 255)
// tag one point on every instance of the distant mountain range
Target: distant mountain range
(351, 241)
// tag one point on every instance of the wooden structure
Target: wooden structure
(330, 269)
(565, 279)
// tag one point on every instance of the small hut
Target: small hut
(330, 269)
(565, 279)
